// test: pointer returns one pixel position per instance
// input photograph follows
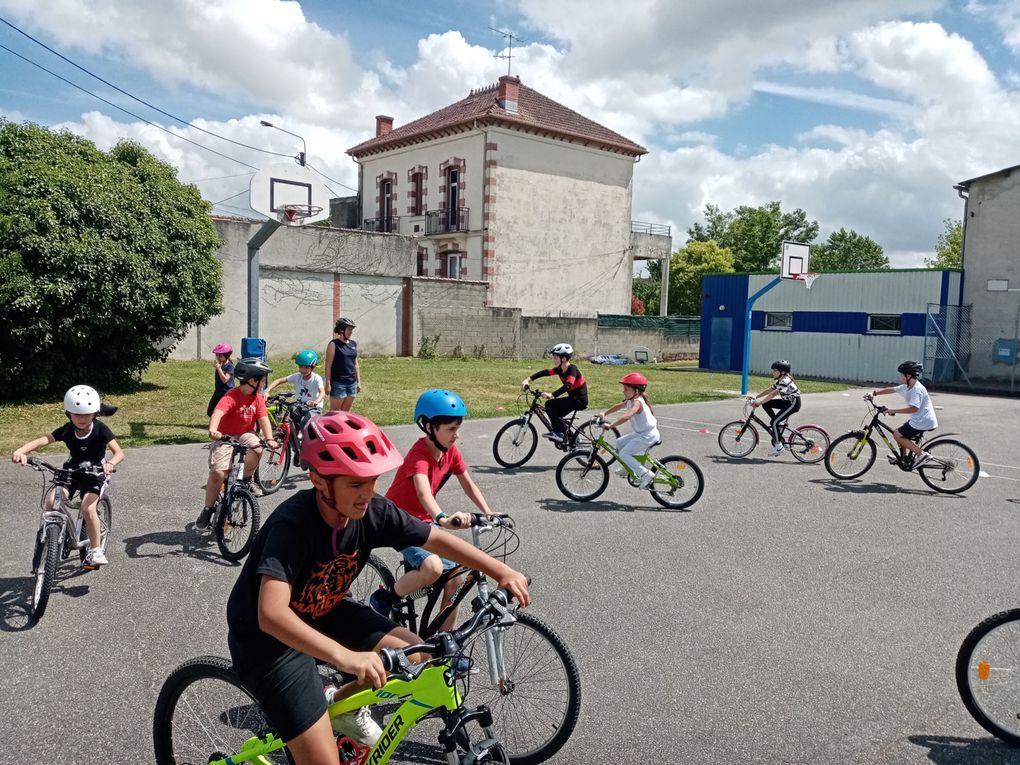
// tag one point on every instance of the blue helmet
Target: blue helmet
(307, 359)
(437, 402)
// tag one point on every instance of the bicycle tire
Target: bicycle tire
(512, 454)
(582, 475)
(735, 443)
(204, 713)
(374, 575)
(271, 474)
(535, 713)
(46, 560)
(950, 458)
(587, 435)
(841, 463)
(236, 524)
(674, 464)
(808, 444)
(105, 510)
(988, 675)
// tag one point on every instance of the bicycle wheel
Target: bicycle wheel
(808, 443)
(582, 475)
(515, 443)
(679, 483)
(274, 464)
(953, 466)
(105, 510)
(849, 456)
(738, 438)
(536, 699)
(44, 568)
(204, 713)
(374, 575)
(237, 525)
(988, 675)
(589, 432)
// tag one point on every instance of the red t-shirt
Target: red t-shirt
(240, 412)
(419, 462)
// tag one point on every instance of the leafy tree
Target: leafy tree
(847, 251)
(106, 260)
(686, 268)
(754, 234)
(949, 249)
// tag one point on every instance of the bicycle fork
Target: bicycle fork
(493, 638)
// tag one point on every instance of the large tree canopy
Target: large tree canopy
(949, 248)
(687, 266)
(106, 260)
(754, 234)
(848, 251)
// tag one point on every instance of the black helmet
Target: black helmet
(343, 322)
(911, 368)
(782, 365)
(248, 369)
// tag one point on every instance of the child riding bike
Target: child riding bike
(289, 605)
(87, 439)
(642, 419)
(427, 467)
(779, 411)
(574, 386)
(311, 390)
(919, 407)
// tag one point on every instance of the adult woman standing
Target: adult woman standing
(343, 374)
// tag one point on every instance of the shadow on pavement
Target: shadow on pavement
(16, 594)
(497, 470)
(722, 459)
(602, 506)
(868, 487)
(189, 542)
(952, 750)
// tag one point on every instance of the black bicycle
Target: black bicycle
(807, 443)
(515, 443)
(953, 467)
(235, 519)
(988, 675)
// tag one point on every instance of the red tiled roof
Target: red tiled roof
(535, 113)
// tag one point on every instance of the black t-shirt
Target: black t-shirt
(296, 546)
(92, 448)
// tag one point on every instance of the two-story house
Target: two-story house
(512, 188)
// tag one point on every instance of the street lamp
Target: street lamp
(304, 146)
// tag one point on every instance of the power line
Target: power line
(334, 180)
(218, 178)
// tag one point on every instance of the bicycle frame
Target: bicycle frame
(897, 451)
(645, 458)
(535, 409)
(62, 514)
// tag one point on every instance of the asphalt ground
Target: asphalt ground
(786, 617)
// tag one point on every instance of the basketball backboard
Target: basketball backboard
(278, 189)
(796, 259)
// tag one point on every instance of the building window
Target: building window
(888, 324)
(386, 203)
(452, 191)
(423, 262)
(417, 198)
(454, 263)
(780, 321)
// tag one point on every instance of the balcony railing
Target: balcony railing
(640, 227)
(446, 221)
(389, 225)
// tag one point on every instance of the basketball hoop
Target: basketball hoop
(807, 277)
(295, 215)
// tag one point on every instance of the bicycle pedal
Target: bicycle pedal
(893, 460)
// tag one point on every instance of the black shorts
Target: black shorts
(909, 431)
(289, 687)
(85, 484)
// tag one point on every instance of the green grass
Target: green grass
(169, 407)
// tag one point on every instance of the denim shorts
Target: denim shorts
(415, 556)
(342, 390)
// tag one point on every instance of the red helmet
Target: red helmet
(341, 443)
(636, 379)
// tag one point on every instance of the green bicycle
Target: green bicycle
(584, 474)
(204, 714)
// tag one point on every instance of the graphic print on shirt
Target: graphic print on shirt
(327, 586)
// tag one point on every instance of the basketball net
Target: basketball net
(297, 213)
(807, 277)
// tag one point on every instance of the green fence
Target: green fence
(671, 326)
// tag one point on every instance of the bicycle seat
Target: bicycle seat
(657, 443)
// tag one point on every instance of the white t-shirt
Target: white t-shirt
(644, 421)
(924, 417)
(307, 390)
(787, 388)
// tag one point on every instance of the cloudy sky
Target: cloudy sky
(862, 112)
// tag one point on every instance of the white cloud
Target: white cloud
(1005, 15)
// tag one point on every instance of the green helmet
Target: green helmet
(307, 358)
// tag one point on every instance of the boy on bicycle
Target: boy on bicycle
(311, 390)
(236, 415)
(919, 407)
(779, 411)
(290, 605)
(427, 467)
(573, 385)
(87, 439)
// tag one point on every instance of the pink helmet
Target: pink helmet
(225, 348)
(341, 443)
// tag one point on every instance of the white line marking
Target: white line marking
(1008, 467)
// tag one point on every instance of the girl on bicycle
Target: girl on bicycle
(87, 439)
(645, 432)
(573, 385)
(779, 411)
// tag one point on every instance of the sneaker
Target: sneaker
(253, 486)
(646, 480)
(558, 437)
(462, 665)
(777, 449)
(381, 601)
(95, 558)
(358, 725)
(204, 517)
(920, 459)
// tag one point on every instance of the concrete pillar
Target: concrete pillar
(664, 288)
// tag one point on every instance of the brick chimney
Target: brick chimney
(383, 125)
(508, 93)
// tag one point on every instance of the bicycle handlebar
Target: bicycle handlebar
(85, 467)
(481, 520)
(871, 403)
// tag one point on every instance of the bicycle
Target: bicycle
(274, 465)
(235, 519)
(807, 443)
(516, 441)
(60, 532)
(526, 675)
(584, 474)
(988, 675)
(953, 467)
(204, 713)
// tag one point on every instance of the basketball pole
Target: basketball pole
(254, 244)
(747, 330)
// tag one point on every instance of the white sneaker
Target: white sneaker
(776, 450)
(253, 486)
(95, 557)
(358, 725)
(646, 480)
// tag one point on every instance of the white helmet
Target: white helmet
(81, 399)
(563, 349)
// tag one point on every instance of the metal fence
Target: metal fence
(958, 354)
(671, 326)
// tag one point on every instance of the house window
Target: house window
(454, 263)
(452, 193)
(780, 321)
(423, 262)
(417, 198)
(386, 203)
(888, 324)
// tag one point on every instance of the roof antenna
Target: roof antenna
(510, 37)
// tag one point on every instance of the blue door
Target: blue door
(722, 338)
